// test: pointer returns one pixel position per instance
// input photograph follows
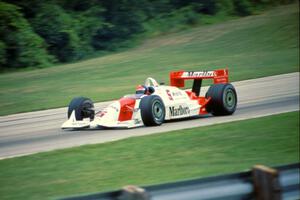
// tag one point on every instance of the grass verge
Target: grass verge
(251, 47)
(172, 156)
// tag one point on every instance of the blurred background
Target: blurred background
(40, 33)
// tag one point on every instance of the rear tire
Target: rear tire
(152, 110)
(83, 107)
(223, 99)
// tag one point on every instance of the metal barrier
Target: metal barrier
(260, 183)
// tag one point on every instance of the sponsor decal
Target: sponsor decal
(115, 108)
(177, 111)
(198, 74)
(137, 121)
(176, 94)
(169, 95)
(101, 113)
(79, 124)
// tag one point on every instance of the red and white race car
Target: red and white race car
(152, 104)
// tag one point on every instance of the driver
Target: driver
(142, 89)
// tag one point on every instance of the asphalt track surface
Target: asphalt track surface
(28, 133)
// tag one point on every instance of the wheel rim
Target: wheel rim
(230, 99)
(158, 111)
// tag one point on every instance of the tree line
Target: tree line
(39, 33)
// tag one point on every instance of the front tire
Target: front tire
(152, 110)
(83, 107)
(223, 99)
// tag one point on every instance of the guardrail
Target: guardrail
(261, 183)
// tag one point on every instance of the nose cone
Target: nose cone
(107, 117)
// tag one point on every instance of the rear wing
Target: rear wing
(177, 78)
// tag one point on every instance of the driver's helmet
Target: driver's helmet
(141, 89)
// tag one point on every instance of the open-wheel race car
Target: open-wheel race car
(152, 103)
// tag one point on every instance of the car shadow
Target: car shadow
(99, 128)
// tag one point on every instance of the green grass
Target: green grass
(251, 47)
(153, 159)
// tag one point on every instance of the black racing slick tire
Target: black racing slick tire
(152, 110)
(223, 99)
(83, 107)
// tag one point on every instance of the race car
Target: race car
(153, 103)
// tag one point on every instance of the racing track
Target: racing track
(28, 133)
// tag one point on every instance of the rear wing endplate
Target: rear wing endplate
(177, 78)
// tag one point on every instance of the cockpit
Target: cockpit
(148, 88)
